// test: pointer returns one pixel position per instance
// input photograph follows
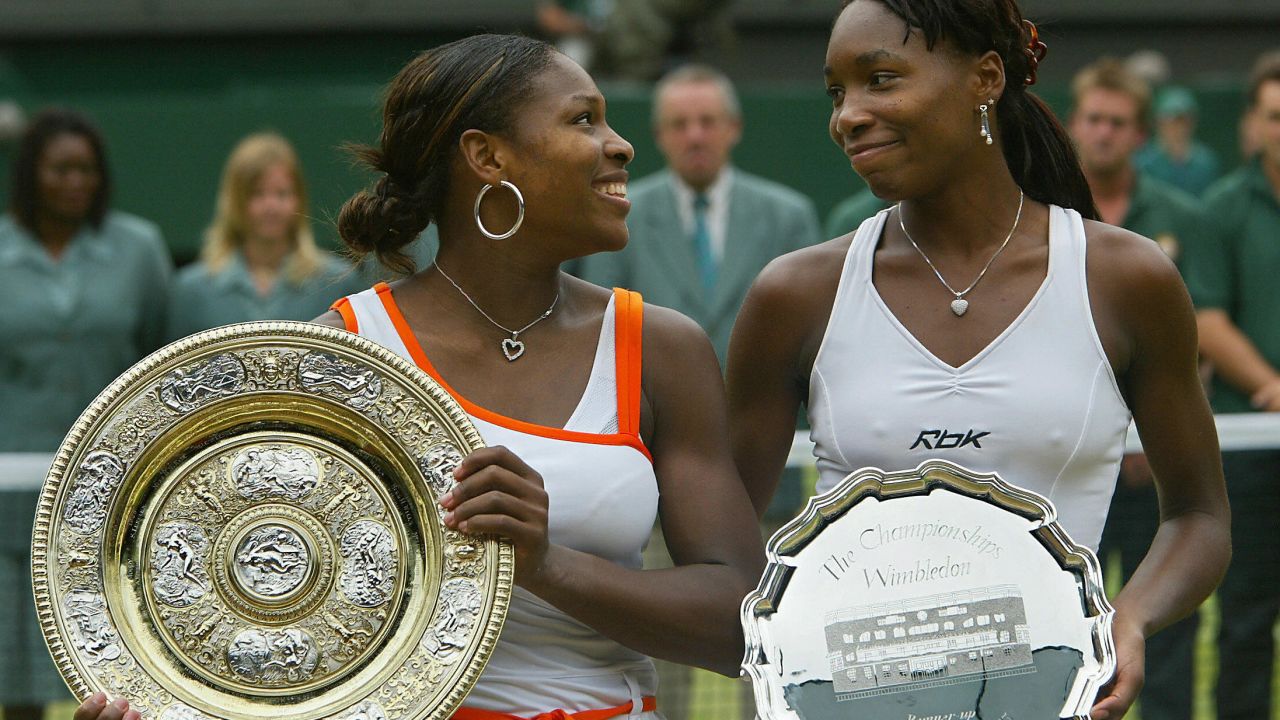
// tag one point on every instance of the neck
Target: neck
(265, 255)
(509, 285)
(1177, 148)
(1272, 171)
(968, 218)
(702, 187)
(1113, 185)
(55, 233)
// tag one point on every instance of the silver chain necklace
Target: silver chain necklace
(512, 347)
(959, 306)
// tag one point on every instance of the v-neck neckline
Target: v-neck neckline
(420, 357)
(990, 347)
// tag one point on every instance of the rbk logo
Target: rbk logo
(943, 440)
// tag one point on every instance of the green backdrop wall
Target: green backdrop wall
(173, 108)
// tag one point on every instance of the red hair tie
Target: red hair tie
(1035, 51)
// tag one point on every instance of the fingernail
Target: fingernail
(448, 519)
(446, 500)
(121, 704)
(99, 698)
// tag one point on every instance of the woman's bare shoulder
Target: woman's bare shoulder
(1126, 265)
(331, 319)
(802, 278)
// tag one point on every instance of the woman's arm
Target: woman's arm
(1147, 304)
(1237, 359)
(775, 340)
(689, 613)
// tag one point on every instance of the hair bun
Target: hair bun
(382, 222)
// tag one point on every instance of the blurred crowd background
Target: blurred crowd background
(212, 120)
(175, 85)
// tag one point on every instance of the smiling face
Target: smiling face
(696, 132)
(906, 116)
(271, 210)
(68, 177)
(568, 163)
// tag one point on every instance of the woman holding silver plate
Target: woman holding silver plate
(987, 318)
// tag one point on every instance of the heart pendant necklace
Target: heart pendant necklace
(960, 306)
(512, 347)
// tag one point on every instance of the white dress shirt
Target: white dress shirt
(717, 208)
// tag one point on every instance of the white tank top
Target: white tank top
(603, 496)
(1039, 405)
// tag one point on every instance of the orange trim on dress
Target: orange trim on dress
(343, 306)
(649, 704)
(415, 351)
(629, 329)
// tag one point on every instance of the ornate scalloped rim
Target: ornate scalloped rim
(199, 343)
(822, 510)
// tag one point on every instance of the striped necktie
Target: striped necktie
(707, 269)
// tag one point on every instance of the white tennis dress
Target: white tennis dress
(603, 499)
(1039, 405)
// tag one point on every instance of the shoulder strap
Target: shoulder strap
(628, 327)
(343, 306)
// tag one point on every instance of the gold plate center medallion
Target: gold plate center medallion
(245, 524)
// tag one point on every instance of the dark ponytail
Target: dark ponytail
(1040, 156)
(473, 83)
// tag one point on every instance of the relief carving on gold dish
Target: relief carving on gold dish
(245, 523)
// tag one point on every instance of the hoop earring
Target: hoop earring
(519, 217)
(985, 130)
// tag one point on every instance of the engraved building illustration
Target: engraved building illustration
(928, 641)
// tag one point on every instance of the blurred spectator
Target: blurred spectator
(1107, 126)
(1250, 139)
(1174, 155)
(12, 122)
(1251, 122)
(701, 230)
(259, 260)
(1149, 66)
(1232, 278)
(849, 213)
(83, 289)
(574, 25)
(642, 39)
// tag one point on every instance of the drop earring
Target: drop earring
(985, 130)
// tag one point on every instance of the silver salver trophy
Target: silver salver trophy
(931, 594)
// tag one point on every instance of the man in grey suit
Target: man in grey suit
(701, 230)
